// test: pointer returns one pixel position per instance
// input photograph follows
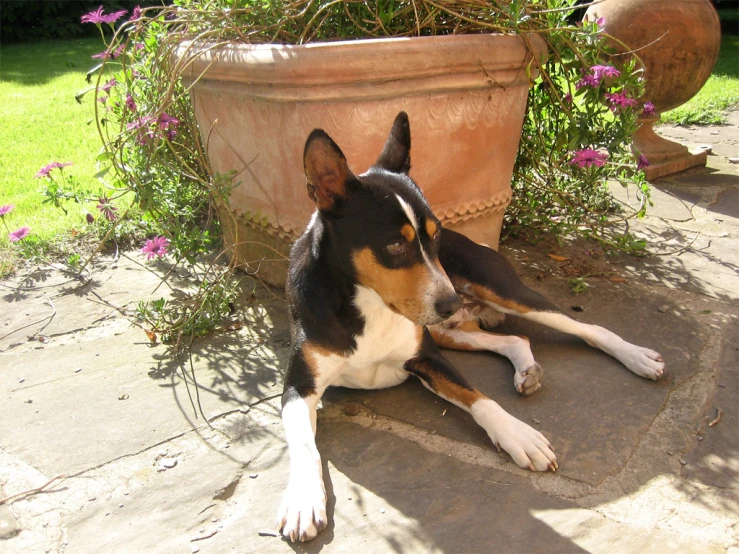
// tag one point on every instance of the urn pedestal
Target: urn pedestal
(255, 105)
(678, 41)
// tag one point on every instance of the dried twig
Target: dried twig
(719, 413)
(30, 491)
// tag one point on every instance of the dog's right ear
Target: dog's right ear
(326, 171)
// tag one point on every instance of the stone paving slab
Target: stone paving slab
(408, 472)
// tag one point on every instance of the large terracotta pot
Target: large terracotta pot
(678, 41)
(256, 104)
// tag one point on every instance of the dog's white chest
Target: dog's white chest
(388, 340)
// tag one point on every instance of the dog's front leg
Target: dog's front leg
(302, 514)
(527, 446)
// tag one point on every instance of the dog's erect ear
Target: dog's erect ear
(326, 171)
(396, 155)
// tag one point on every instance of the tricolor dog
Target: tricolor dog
(375, 284)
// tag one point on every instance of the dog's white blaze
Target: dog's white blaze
(439, 284)
(408, 212)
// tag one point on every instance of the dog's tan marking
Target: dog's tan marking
(408, 232)
(447, 389)
(400, 289)
(431, 227)
(486, 295)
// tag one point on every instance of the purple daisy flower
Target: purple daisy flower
(95, 17)
(155, 247)
(605, 71)
(588, 81)
(648, 109)
(588, 157)
(169, 124)
(44, 171)
(568, 98)
(619, 101)
(19, 234)
(136, 14)
(106, 208)
(130, 104)
(642, 162)
(4, 210)
(109, 85)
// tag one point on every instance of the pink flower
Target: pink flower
(20, 234)
(619, 101)
(136, 13)
(588, 157)
(106, 208)
(90, 218)
(648, 109)
(102, 99)
(108, 54)
(4, 210)
(142, 126)
(169, 124)
(155, 247)
(605, 71)
(642, 162)
(130, 104)
(588, 81)
(109, 85)
(44, 171)
(98, 16)
(567, 98)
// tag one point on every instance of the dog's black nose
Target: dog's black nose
(448, 306)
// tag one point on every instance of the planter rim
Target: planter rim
(362, 60)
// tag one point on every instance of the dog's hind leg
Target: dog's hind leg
(486, 276)
(469, 336)
(527, 446)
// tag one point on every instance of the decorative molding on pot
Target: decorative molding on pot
(307, 73)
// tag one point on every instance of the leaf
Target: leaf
(105, 156)
(151, 335)
(102, 173)
(558, 258)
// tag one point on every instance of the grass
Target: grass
(40, 122)
(720, 93)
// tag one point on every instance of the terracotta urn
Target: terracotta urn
(678, 41)
(256, 104)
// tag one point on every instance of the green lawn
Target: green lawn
(40, 122)
(720, 92)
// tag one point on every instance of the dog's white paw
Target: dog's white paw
(527, 446)
(302, 514)
(643, 361)
(529, 380)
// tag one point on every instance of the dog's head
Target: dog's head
(380, 225)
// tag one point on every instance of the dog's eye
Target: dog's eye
(437, 235)
(395, 247)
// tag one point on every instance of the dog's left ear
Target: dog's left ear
(396, 155)
(326, 171)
